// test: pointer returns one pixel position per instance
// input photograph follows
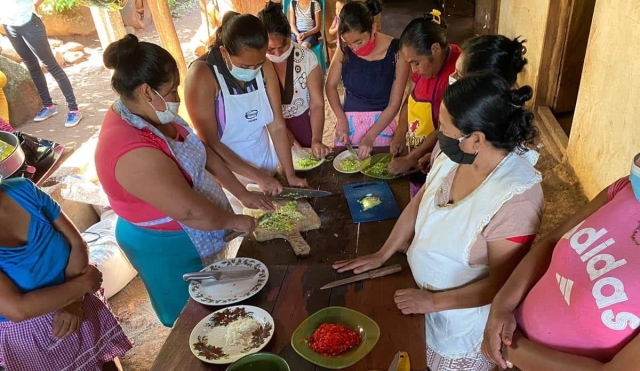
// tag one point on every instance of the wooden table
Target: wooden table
(292, 292)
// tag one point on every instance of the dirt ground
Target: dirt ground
(563, 194)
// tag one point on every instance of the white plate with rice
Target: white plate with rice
(345, 163)
(209, 292)
(304, 160)
(229, 334)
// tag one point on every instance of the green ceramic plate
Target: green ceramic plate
(369, 333)
(380, 158)
(260, 362)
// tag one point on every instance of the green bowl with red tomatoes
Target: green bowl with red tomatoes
(365, 327)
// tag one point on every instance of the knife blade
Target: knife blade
(400, 362)
(384, 271)
(302, 193)
(288, 192)
(235, 234)
(222, 275)
(352, 151)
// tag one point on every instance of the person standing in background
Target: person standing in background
(27, 34)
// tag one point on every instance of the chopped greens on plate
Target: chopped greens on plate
(307, 162)
(350, 164)
(379, 169)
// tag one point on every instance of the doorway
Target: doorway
(566, 38)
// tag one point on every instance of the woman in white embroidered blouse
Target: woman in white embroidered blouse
(471, 223)
(300, 79)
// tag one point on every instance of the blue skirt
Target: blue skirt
(161, 258)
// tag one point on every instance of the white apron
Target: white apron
(192, 157)
(439, 253)
(246, 118)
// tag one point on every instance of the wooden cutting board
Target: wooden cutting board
(299, 245)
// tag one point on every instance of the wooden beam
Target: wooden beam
(109, 25)
(552, 135)
(552, 51)
(169, 38)
(168, 35)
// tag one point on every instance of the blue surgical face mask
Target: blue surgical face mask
(243, 74)
(634, 176)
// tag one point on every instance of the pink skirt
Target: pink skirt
(361, 122)
(29, 345)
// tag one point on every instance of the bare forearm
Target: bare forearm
(403, 121)
(317, 122)
(40, 302)
(334, 101)
(209, 217)
(425, 147)
(527, 273)
(477, 294)
(216, 166)
(234, 161)
(283, 150)
(529, 356)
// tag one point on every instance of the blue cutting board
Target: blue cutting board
(388, 209)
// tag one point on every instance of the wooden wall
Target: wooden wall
(606, 126)
(526, 18)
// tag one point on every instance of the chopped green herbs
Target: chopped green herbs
(283, 219)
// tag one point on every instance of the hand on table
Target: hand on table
(319, 150)
(67, 320)
(500, 328)
(365, 147)
(245, 224)
(269, 185)
(254, 200)
(398, 146)
(424, 162)
(342, 131)
(296, 182)
(399, 165)
(414, 301)
(360, 264)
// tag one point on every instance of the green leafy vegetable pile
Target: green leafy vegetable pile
(283, 219)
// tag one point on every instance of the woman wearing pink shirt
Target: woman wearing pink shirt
(573, 303)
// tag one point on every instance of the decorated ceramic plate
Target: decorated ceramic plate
(209, 292)
(229, 334)
(345, 163)
(304, 160)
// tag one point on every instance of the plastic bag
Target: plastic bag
(104, 252)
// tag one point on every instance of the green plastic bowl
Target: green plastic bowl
(368, 328)
(260, 362)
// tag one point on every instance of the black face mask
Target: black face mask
(451, 148)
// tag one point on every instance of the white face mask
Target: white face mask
(170, 114)
(282, 57)
(243, 74)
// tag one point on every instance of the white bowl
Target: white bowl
(342, 156)
(297, 154)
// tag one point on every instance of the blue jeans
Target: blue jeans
(31, 43)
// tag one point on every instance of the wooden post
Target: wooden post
(168, 35)
(109, 25)
(170, 41)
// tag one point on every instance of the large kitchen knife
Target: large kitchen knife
(227, 274)
(292, 192)
(365, 276)
(352, 151)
